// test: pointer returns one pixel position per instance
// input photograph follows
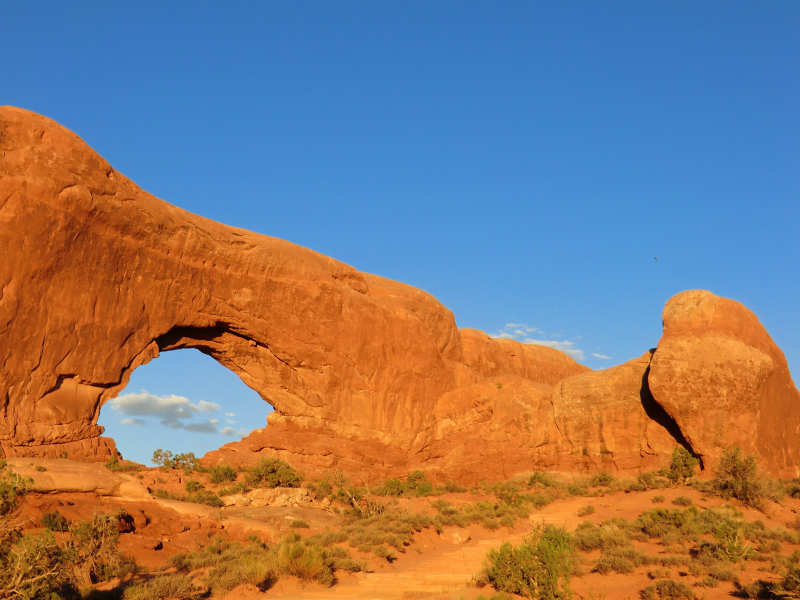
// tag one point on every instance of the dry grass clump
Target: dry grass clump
(667, 589)
(261, 565)
(173, 586)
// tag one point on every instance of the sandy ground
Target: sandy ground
(432, 567)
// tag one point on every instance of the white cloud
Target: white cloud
(230, 414)
(233, 432)
(229, 422)
(521, 333)
(172, 410)
(601, 356)
(566, 347)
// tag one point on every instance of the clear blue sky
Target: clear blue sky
(523, 162)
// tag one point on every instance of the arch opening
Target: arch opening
(184, 401)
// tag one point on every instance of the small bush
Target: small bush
(737, 475)
(541, 567)
(601, 479)
(117, 466)
(273, 472)
(193, 486)
(173, 586)
(586, 511)
(299, 524)
(682, 501)
(54, 521)
(667, 589)
(682, 466)
(657, 499)
(221, 474)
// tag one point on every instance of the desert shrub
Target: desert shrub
(260, 564)
(543, 480)
(298, 524)
(667, 589)
(13, 489)
(647, 481)
(601, 479)
(607, 535)
(657, 499)
(93, 552)
(124, 466)
(541, 567)
(682, 501)
(237, 488)
(737, 475)
(658, 573)
(201, 496)
(173, 586)
(682, 465)
(192, 486)
(54, 521)
(273, 472)
(728, 545)
(221, 474)
(586, 511)
(621, 560)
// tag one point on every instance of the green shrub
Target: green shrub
(273, 472)
(173, 586)
(193, 486)
(737, 475)
(601, 479)
(682, 501)
(54, 521)
(93, 552)
(299, 524)
(117, 466)
(165, 459)
(221, 474)
(541, 567)
(667, 589)
(682, 466)
(657, 499)
(586, 511)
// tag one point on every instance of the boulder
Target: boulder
(58, 475)
(722, 379)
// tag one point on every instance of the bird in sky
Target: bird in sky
(656, 259)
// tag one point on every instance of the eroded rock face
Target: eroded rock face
(99, 277)
(366, 374)
(723, 380)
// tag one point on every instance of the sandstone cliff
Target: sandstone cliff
(366, 374)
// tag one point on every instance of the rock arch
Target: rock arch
(99, 276)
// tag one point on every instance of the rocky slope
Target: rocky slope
(365, 374)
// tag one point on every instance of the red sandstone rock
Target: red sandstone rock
(723, 380)
(366, 374)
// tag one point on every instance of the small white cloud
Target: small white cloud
(566, 347)
(133, 422)
(522, 332)
(207, 427)
(227, 431)
(504, 335)
(214, 421)
(230, 414)
(601, 356)
(229, 422)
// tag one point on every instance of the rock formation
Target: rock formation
(365, 374)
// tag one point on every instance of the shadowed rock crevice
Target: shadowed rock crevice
(657, 413)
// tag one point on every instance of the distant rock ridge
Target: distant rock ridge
(365, 374)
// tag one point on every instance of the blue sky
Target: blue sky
(523, 162)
